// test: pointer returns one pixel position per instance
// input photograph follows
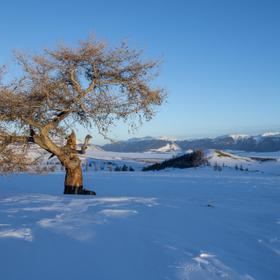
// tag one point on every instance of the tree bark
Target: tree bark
(73, 183)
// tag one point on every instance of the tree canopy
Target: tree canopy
(91, 84)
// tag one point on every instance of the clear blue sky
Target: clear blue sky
(221, 57)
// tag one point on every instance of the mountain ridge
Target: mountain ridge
(266, 142)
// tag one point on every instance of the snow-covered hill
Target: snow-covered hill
(251, 163)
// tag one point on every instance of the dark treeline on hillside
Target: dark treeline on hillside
(185, 161)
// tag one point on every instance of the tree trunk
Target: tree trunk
(73, 183)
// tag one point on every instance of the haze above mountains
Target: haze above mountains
(267, 142)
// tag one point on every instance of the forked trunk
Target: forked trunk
(73, 183)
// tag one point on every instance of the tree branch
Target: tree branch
(85, 145)
(75, 83)
(9, 139)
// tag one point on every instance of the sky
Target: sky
(221, 58)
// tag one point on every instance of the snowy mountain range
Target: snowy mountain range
(267, 142)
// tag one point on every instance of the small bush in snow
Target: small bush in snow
(124, 168)
(117, 168)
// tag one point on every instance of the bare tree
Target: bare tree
(92, 85)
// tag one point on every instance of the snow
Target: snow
(174, 224)
(169, 147)
(22, 233)
(275, 155)
(167, 138)
(262, 137)
(258, 138)
(135, 157)
(148, 138)
(237, 137)
(225, 157)
(268, 163)
(271, 134)
(253, 161)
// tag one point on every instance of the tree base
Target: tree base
(77, 190)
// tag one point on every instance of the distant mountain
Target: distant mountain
(136, 145)
(267, 142)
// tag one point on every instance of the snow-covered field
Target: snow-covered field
(152, 156)
(187, 224)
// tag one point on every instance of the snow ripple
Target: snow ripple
(21, 233)
(208, 266)
(74, 217)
